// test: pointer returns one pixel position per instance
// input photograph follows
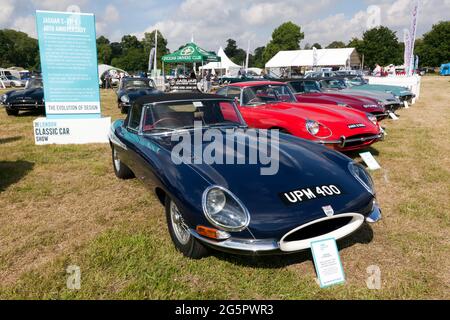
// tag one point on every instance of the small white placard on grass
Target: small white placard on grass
(406, 104)
(393, 116)
(370, 161)
(327, 262)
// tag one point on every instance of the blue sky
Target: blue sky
(212, 22)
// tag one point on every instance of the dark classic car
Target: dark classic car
(130, 89)
(316, 193)
(308, 91)
(31, 98)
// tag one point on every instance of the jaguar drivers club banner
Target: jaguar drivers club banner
(68, 52)
(183, 84)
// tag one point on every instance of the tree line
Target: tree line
(378, 45)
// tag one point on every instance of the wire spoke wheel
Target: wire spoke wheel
(180, 228)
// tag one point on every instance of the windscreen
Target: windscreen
(35, 83)
(267, 94)
(130, 84)
(170, 116)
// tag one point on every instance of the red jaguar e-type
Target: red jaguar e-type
(272, 105)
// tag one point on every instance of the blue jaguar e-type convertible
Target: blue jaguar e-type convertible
(229, 205)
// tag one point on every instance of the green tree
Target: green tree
(104, 54)
(102, 40)
(18, 49)
(116, 50)
(286, 37)
(336, 45)
(149, 42)
(379, 46)
(258, 60)
(130, 42)
(236, 54)
(434, 49)
(231, 48)
(317, 45)
(134, 59)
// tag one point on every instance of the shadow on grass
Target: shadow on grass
(13, 171)
(363, 235)
(10, 139)
(31, 113)
(355, 154)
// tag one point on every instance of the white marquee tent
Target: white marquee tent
(346, 57)
(103, 68)
(225, 63)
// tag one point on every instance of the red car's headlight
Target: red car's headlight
(317, 129)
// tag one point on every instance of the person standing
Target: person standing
(208, 81)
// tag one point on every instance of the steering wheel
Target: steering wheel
(150, 127)
(256, 99)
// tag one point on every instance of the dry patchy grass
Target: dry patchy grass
(62, 205)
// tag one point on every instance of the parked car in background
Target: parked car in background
(5, 82)
(246, 78)
(29, 99)
(334, 85)
(308, 91)
(272, 105)
(315, 194)
(130, 89)
(16, 82)
(358, 83)
(445, 69)
(319, 74)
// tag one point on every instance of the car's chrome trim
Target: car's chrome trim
(269, 246)
(353, 225)
(343, 141)
(240, 245)
(239, 202)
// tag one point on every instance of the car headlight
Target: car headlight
(312, 127)
(343, 105)
(125, 99)
(224, 210)
(3, 98)
(362, 176)
(368, 106)
(372, 118)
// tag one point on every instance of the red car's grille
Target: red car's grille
(361, 140)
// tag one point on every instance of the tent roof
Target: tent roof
(304, 58)
(225, 62)
(190, 53)
(102, 68)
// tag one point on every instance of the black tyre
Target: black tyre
(11, 112)
(120, 169)
(182, 239)
(124, 109)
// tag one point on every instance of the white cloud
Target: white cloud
(395, 14)
(6, 10)
(106, 22)
(212, 22)
(26, 24)
(60, 5)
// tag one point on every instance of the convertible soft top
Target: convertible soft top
(178, 97)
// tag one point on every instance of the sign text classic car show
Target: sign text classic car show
(288, 172)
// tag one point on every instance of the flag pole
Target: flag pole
(155, 67)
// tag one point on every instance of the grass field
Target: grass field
(62, 206)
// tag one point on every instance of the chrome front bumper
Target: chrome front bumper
(267, 246)
(343, 141)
